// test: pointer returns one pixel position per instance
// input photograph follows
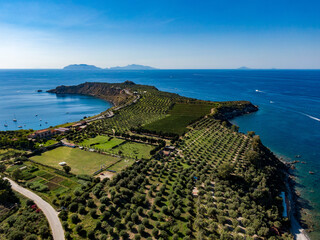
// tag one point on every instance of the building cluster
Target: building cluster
(48, 133)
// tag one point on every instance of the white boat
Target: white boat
(19, 126)
(5, 124)
(15, 119)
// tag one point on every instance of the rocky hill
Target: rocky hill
(114, 93)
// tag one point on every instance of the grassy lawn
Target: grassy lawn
(81, 162)
(47, 143)
(118, 167)
(180, 117)
(133, 150)
(102, 142)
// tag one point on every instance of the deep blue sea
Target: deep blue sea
(288, 120)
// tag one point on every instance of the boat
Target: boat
(19, 126)
(40, 119)
(36, 115)
(311, 172)
(15, 119)
(6, 125)
(46, 122)
(297, 156)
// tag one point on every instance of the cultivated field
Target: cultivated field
(47, 182)
(80, 161)
(180, 117)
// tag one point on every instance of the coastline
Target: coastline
(298, 228)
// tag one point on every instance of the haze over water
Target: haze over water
(288, 120)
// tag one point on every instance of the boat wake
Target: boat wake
(312, 117)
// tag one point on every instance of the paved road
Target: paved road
(47, 209)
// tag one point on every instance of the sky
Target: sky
(211, 34)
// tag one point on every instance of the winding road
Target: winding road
(50, 213)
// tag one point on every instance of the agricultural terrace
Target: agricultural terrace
(214, 187)
(80, 161)
(180, 117)
(50, 184)
(152, 106)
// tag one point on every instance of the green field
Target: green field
(133, 150)
(103, 143)
(47, 143)
(80, 161)
(180, 117)
(119, 166)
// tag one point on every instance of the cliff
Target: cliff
(229, 110)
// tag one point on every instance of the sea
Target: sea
(288, 120)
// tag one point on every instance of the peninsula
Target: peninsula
(156, 165)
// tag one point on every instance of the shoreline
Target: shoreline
(298, 228)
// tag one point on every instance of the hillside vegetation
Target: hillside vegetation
(184, 172)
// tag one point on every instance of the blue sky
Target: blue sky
(163, 34)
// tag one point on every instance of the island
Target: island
(156, 165)
(81, 67)
(87, 67)
(132, 67)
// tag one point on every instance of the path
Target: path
(50, 213)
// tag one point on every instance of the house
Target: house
(64, 143)
(44, 133)
(62, 130)
(169, 148)
(79, 124)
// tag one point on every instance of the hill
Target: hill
(132, 67)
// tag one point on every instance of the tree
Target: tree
(17, 174)
(224, 170)
(2, 168)
(66, 168)
(234, 128)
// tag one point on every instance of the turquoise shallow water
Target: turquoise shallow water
(288, 120)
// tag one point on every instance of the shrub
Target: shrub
(74, 218)
(73, 207)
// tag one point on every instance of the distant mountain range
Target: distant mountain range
(92, 67)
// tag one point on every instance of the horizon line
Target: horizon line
(107, 69)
